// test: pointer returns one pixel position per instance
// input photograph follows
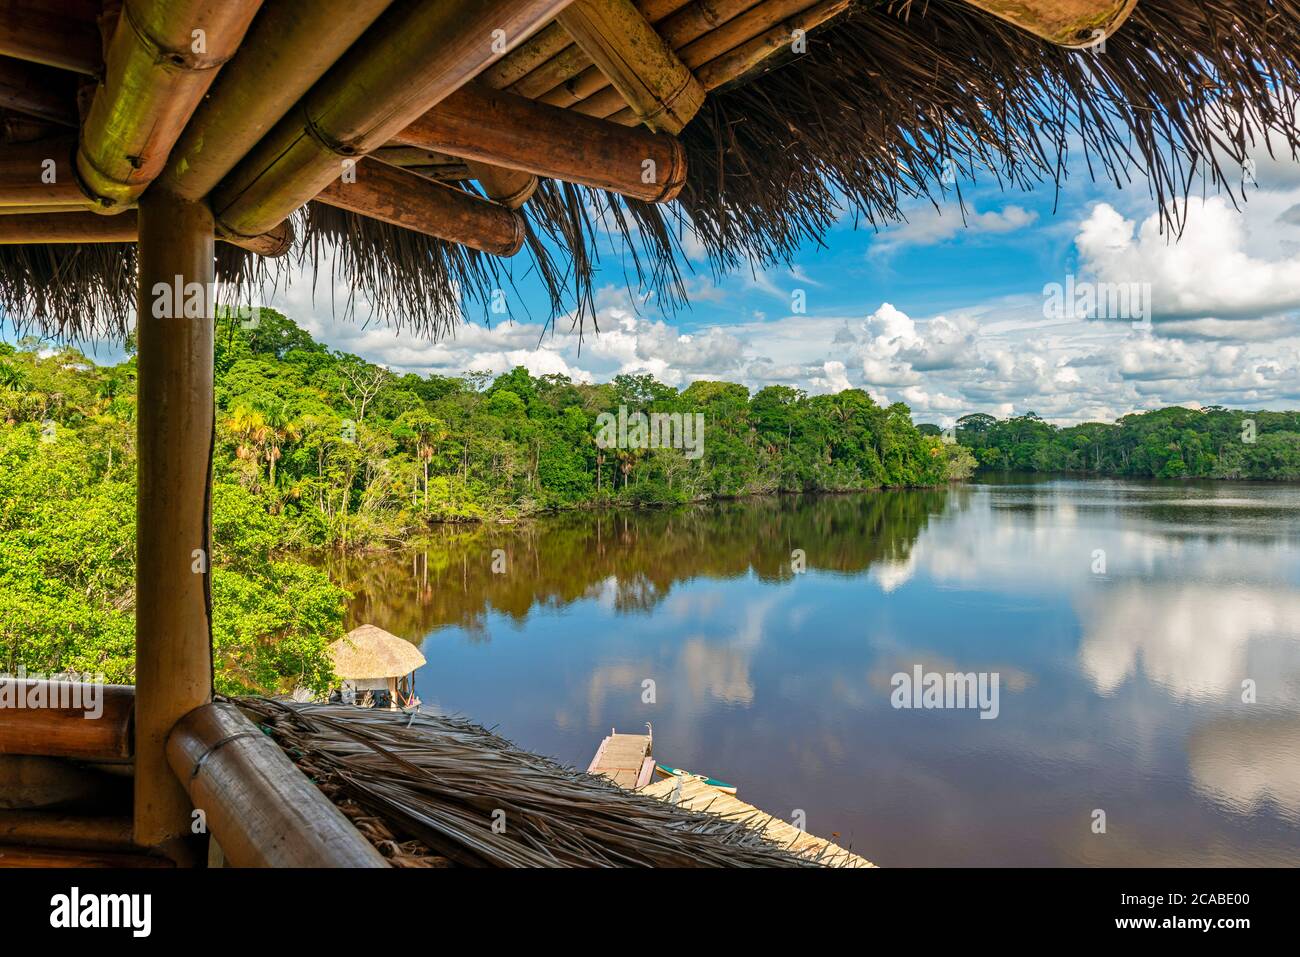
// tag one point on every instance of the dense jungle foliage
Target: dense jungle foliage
(318, 449)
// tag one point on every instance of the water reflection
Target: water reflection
(1121, 689)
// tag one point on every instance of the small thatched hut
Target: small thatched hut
(377, 664)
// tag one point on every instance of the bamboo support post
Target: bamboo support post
(174, 435)
(411, 201)
(1069, 23)
(65, 725)
(288, 48)
(58, 33)
(261, 808)
(492, 126)
(637, 61)
(40, 173)
(38, 91)
(404, 64)
(162, 59)
(73, 224)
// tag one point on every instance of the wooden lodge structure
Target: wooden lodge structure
(160, 159)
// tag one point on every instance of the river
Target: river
(1144, 638)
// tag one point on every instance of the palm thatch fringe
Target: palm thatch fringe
(73, 292)
(896, 100)
(895, 94)
(436, 785)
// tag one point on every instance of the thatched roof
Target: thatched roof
(429, 789)
(370, 652)
(888, 95)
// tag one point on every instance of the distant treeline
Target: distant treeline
(1176, 442)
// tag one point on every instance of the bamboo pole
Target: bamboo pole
(734, 64)
(741, 29)
(551, 75)
(509, 187)
(262, 809)
(40, 173)
(637, 61)
(60, 727)
(62, 857)
(406, 199)
(174, 436)
(700, 31)
(58, 33)
(73, 224)
(536, 50)
(49, 208)
(58, 829)
(405, 64)
(38, 91)
(163, 57)
(288, 48)
(554, 40)
(1069, 23)
(491, 126)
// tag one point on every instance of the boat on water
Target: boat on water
(668, 771)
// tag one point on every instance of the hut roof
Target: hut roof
(790, 115)
(370, 652)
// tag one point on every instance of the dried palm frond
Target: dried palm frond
(443, 782)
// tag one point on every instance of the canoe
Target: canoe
(668, 771)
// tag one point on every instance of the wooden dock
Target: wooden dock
(690, 791)
(625, 759)
(628, 761)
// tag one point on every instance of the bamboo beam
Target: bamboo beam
(491, 126)
(163, 57)
(39, 91)
(40, 173)
(60, 726)
(56, 829)
(554, 40)
(61, 34)
(262, 809)
(509, 187)
(60, 857)
(532, 53)
(637, 61)
(288, 48)
(174, 428)
(1069, 23)
(72, 224)
(406, 63)
(734, 64)
(409, 200)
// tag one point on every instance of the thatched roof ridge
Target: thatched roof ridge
(888, 96)
(371, 652)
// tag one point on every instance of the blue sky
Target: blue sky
(947, 317)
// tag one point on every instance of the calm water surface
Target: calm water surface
(1120, 691)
